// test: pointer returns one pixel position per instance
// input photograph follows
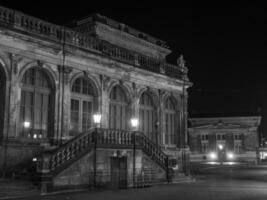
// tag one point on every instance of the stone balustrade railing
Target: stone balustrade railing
(152, 150)
(56, 160)
(22, 22)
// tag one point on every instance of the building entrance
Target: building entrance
(118, 172)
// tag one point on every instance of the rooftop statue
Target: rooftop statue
(181, 61)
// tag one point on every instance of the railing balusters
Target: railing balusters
(34, 25)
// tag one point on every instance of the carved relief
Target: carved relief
(15, 60)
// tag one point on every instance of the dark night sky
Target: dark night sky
(224, 46)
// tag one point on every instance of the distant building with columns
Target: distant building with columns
(238, 138)
(55, 79)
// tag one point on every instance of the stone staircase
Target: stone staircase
(53, 162)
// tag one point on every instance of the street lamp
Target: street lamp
(220, 146)
(97, 119)
(26, 124)
(134, 123)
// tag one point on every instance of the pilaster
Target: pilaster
(13, 98)
(63, 107)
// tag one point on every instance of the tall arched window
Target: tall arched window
(2, 101)
(83, 103)
(147, 117)
(170, 122)
(118, 115)
(36, 109)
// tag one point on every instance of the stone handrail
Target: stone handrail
(22, 22)
(70, 150)
(152, 150)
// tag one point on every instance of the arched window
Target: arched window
(2, 101)
(147, 117)
(118, 115)
(170, 122)
(83, 103)
(36, 109)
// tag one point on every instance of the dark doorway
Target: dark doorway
(118, 172)
(2, 102)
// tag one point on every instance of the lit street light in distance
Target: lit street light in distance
(220, 146)
(230, 156)
(213, 155)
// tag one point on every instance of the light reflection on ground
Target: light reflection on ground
(222, 163)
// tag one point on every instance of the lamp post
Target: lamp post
(221, 153)
(134, 124)
(97, 120)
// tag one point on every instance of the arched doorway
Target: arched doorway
(36, 105)
(83, 104)
(171, 122)
(118, 111)
(2, 101)
(147, 117)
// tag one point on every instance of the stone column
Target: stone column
(161, 121)
(135, 105)
(185, 114)
(63, 108)
(104, 101)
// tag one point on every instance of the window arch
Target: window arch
(170, 122)
(2, 101)
(147, 116)
(36, 105)
(118, 109)
(83, 103)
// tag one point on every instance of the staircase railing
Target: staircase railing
(69, 151)
(56, 160)
(151, 149)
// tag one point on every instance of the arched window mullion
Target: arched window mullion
(35, 107)
(170, 122)
(147, 116)
(118, 106)
(83, 103)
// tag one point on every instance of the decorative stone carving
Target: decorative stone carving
(105, 81)
(162, 68)
(14, 59)
(181, 61)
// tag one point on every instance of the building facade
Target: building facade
(224, 138)
(55, 79)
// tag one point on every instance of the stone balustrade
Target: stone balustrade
(19, 21)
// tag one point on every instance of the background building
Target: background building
(224, 138)
(59, 83)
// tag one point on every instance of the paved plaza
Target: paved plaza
(213, 182)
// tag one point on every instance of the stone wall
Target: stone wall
(81, 172)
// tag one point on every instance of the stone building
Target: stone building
(224, 138)
(55, 79)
